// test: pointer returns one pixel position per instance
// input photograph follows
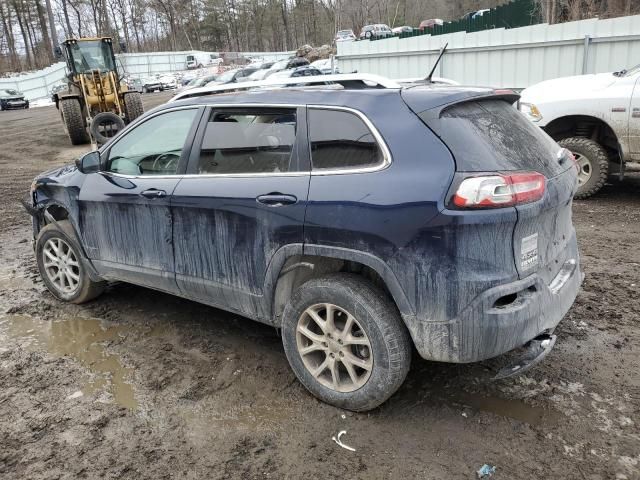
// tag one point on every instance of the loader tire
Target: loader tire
(74, 123)
(105, 126)
(133, 106)
(593, 164)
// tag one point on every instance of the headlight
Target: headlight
(531, 111)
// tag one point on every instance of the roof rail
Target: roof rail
(363, 80)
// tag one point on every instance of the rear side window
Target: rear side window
(341, 140)
(248, 141)
(491, 135)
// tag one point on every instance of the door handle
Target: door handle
(153, 193)
(276, 199)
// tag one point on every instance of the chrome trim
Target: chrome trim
(386, 154)
(327, 79)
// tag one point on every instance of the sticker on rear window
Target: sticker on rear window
(529, 252)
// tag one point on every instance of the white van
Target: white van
(202, 59)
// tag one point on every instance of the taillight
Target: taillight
(493, 191)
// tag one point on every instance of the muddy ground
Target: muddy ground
(139, 384)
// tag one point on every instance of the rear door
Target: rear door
(634, 121)
(244, 199)
(490, 135)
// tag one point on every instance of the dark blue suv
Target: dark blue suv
(359, 220)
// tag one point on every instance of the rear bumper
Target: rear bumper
(502, 318)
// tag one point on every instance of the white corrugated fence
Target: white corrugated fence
(510, 58)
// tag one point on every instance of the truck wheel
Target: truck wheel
(593, 162)
(61, 265)
(73, 121)
(345, 341)
(133, 106)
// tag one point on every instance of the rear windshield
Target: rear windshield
(491, 135)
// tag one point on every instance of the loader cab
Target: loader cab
(87, 55)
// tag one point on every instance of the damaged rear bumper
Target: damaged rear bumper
(502, 318)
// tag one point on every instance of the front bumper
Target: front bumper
(15, 104)
(487, 328)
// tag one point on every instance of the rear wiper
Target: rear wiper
(621, 73)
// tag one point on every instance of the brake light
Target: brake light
(493, 191)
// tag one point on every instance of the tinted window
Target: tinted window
(491, 135)
(341, 140)
(248, 141)
(154, 147)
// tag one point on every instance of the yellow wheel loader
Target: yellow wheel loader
(96, 102)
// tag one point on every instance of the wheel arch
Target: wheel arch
(294, 265)
(591, 127)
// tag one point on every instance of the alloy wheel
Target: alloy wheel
(61, 265)
(584, 165)
(334, 347)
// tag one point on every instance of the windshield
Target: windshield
(91, 55)
(632, 71)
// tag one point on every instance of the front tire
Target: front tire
(133, 106)
(73, 120)
(593, 162)
(346, 342)
(61, 264)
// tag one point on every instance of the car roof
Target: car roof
(421, 98)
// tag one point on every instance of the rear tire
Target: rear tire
(593, 162)
(365, 363)
(133, 106)
(73, 283)
(74, 121)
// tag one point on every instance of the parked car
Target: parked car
(59, 88)
(404, 29)
(168, 82)
(345, 36)
(597, 117)
(378, 30)
(134, 84)
(432, 22)
(475, 14)
(12, 99)
(232, 76)
(151, 85)
(306, 71)
(324, 66)
(331, 224)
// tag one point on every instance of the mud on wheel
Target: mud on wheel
(345, 341)
(61, 265)
(593, 164)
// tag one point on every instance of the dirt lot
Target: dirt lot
(139, 384)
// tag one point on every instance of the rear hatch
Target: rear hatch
(488, 135)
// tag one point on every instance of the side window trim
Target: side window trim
(186, 148)
(386, 154)
(300, 157)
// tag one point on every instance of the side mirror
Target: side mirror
(58, 53)
(89, 163)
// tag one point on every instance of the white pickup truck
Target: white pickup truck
(597, 117)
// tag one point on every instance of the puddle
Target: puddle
(78, 338)
(516, 409)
